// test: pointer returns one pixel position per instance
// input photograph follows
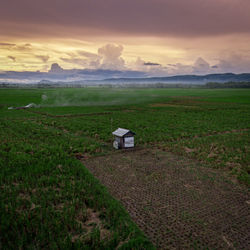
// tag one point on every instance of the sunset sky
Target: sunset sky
(162, 37)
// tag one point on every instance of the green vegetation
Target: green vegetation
(50, 200)
(217, 85)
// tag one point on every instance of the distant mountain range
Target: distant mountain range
(195, 79)
(95, 77)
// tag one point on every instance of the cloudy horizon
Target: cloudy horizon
(157, 38)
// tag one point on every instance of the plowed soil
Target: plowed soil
(175, 201)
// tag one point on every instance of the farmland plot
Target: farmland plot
(175, 201)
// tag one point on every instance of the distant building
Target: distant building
(124, 138)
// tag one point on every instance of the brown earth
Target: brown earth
(176, 202)
(68, 115)
(173, 105)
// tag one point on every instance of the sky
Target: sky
(158, 37)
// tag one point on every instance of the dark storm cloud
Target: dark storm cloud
(12, 58)
(140, 17)
(7, 44)
(151, 64)
(214, 67)
(42, 58)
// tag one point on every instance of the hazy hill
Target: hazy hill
(196, 79)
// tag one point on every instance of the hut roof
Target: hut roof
(121, 132)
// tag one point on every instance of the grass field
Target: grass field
(48, 198)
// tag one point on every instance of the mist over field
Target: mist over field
(94, 97)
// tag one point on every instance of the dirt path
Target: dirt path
(177, 203)
(67, 115)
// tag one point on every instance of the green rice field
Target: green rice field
(50, 200)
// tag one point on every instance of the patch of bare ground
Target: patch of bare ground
(88, 221)
(213, 133)
(187, 97)
(173, 105)
(191, 102)
(175, 201)
(227, 132)
(67, 115)
(128, 110)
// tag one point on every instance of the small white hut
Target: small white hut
(124, 138)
